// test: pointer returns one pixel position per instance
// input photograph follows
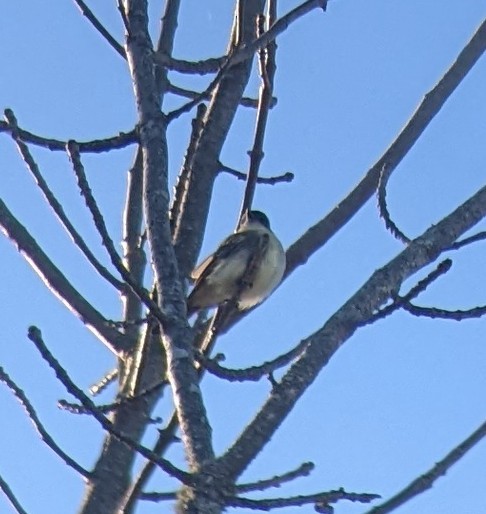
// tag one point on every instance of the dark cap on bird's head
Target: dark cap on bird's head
(257, 217)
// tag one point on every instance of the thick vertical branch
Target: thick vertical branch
(190, 223)
(176, 335)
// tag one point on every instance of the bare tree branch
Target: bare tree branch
(166, 437)
(247, 50)
(480, 236)
(402, 301)
(253, 373)
(316, 236)
(158, 497)
(187, 93)
(267, 64)
(102, 384)
(426, 481)
(58, 283)
(434, 312)
(35, 336)
(86, 11)
(317, 499)
(123, 140)
(383, 208)
(302, 471)
(383, 285)
(43, 433)
(57, 207)
(285, 177)
(176, 335)
(11, 497)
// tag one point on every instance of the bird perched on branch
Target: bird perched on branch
(247, 266)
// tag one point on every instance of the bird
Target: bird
(246, 267)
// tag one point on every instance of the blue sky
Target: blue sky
(398, 395)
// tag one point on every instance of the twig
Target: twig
(426, 481)
(401, 301)
(253, 373)
(297, 501)
(285, 177)
(181, 186)
(311, 241)
(43, 434)
(302, 471)
(157, 497)
(34, 334)
(204, 95)
(267, 66)
(75, 408)
(383, 208)
(245, 52)
(57, 207)
(122, 140)
(100, 28)
(11, 497)
(105, 237)
(99, 387)
(187, 93)
(480, 236)
(58, 283)
(433, 312)
(166, 437)
(240, 55)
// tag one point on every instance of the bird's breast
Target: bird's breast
(267, 276)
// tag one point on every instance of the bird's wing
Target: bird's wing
(241, 245)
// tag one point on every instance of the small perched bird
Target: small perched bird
(247, 266)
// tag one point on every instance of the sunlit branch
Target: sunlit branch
(175, 332)
(102, 384)
(57, 283)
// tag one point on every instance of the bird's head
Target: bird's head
(254, 218)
